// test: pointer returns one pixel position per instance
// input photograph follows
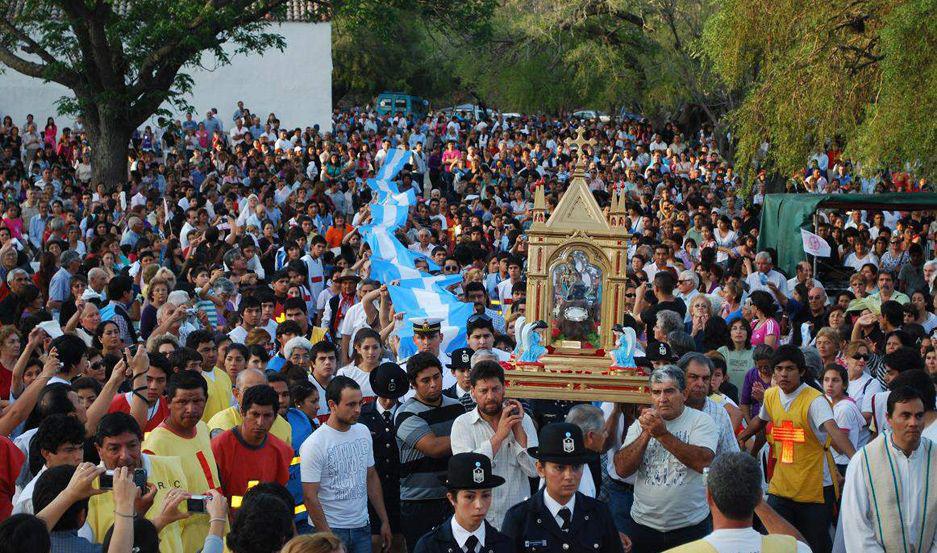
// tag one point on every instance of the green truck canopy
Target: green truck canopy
(783, 215)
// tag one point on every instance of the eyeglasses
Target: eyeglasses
(451, 268)
(478, 317)
(861, 357)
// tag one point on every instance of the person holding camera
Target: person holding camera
(162, 483)
(500, 430)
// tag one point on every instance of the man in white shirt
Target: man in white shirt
(698, 370)
(338, 472)
(60, 441)
(500, 431)
(765, 277)
(804, 276)
(249, 310)
(687, 284)
(668, 448)
(505, 286)
(888, 502)
(734, 495)
(315, 275)
(423, 244)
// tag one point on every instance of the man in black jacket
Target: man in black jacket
(558, 518)
(469, 480)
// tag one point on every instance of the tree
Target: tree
(858, 73)
(644, 54)
(123, 60)
(404, 46)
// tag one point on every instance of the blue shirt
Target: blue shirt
(59, 285)
(68, 541)
(37, 227)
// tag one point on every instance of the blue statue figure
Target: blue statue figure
(623, 355)
(528, 348)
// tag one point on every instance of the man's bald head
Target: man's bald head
(248, 378)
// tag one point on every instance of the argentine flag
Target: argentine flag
(393, 163)
(426, 303)
(387, 272)
(407, 198)
(389, 215)
(385, 246)
(383, 186)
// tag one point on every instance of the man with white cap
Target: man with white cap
(428, 337)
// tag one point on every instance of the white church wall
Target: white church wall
(295, 84)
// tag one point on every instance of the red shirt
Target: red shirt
(121, 404)
(239, 463)
(11, 461)
(6, 381)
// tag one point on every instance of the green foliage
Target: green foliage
(857, 72)
(398, 45)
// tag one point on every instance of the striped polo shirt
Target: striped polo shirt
(419, 474)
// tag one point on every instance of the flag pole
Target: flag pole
(816, 230)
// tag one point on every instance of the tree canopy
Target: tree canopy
(857, 73)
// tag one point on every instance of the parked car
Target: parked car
(592, 114)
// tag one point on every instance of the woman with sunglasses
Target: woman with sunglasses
(860, 383)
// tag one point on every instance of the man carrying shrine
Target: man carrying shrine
(801, 488)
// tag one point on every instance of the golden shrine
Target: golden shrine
(576, 272)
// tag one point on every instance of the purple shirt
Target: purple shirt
(751, 377)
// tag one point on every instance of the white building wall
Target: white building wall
(295, 84)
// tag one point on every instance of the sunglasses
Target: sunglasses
(861, 357)
(479, 317)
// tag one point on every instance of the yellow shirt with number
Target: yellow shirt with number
(163, 472)
(199, 467)
(219, 393)
(231, 417)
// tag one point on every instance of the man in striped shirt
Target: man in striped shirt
(423, 425)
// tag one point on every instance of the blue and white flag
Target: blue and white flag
(383, 186)
(386, 272)
(389, 215)
(427, 303)
(384, 245)
(407, 198)
(393, 163)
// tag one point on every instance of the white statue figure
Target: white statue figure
(623, 355)
(528, 348)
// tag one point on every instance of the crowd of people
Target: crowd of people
(209, 357)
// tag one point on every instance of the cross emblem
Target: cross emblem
(787, 434)
(578, 143)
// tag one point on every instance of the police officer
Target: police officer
(462, 389)
(558, 518)
(389, 382)
(469, 480)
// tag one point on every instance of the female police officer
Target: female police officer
(469, 480)
(558, 518)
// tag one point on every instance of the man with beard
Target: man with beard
(501, 431)
(338, 472)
